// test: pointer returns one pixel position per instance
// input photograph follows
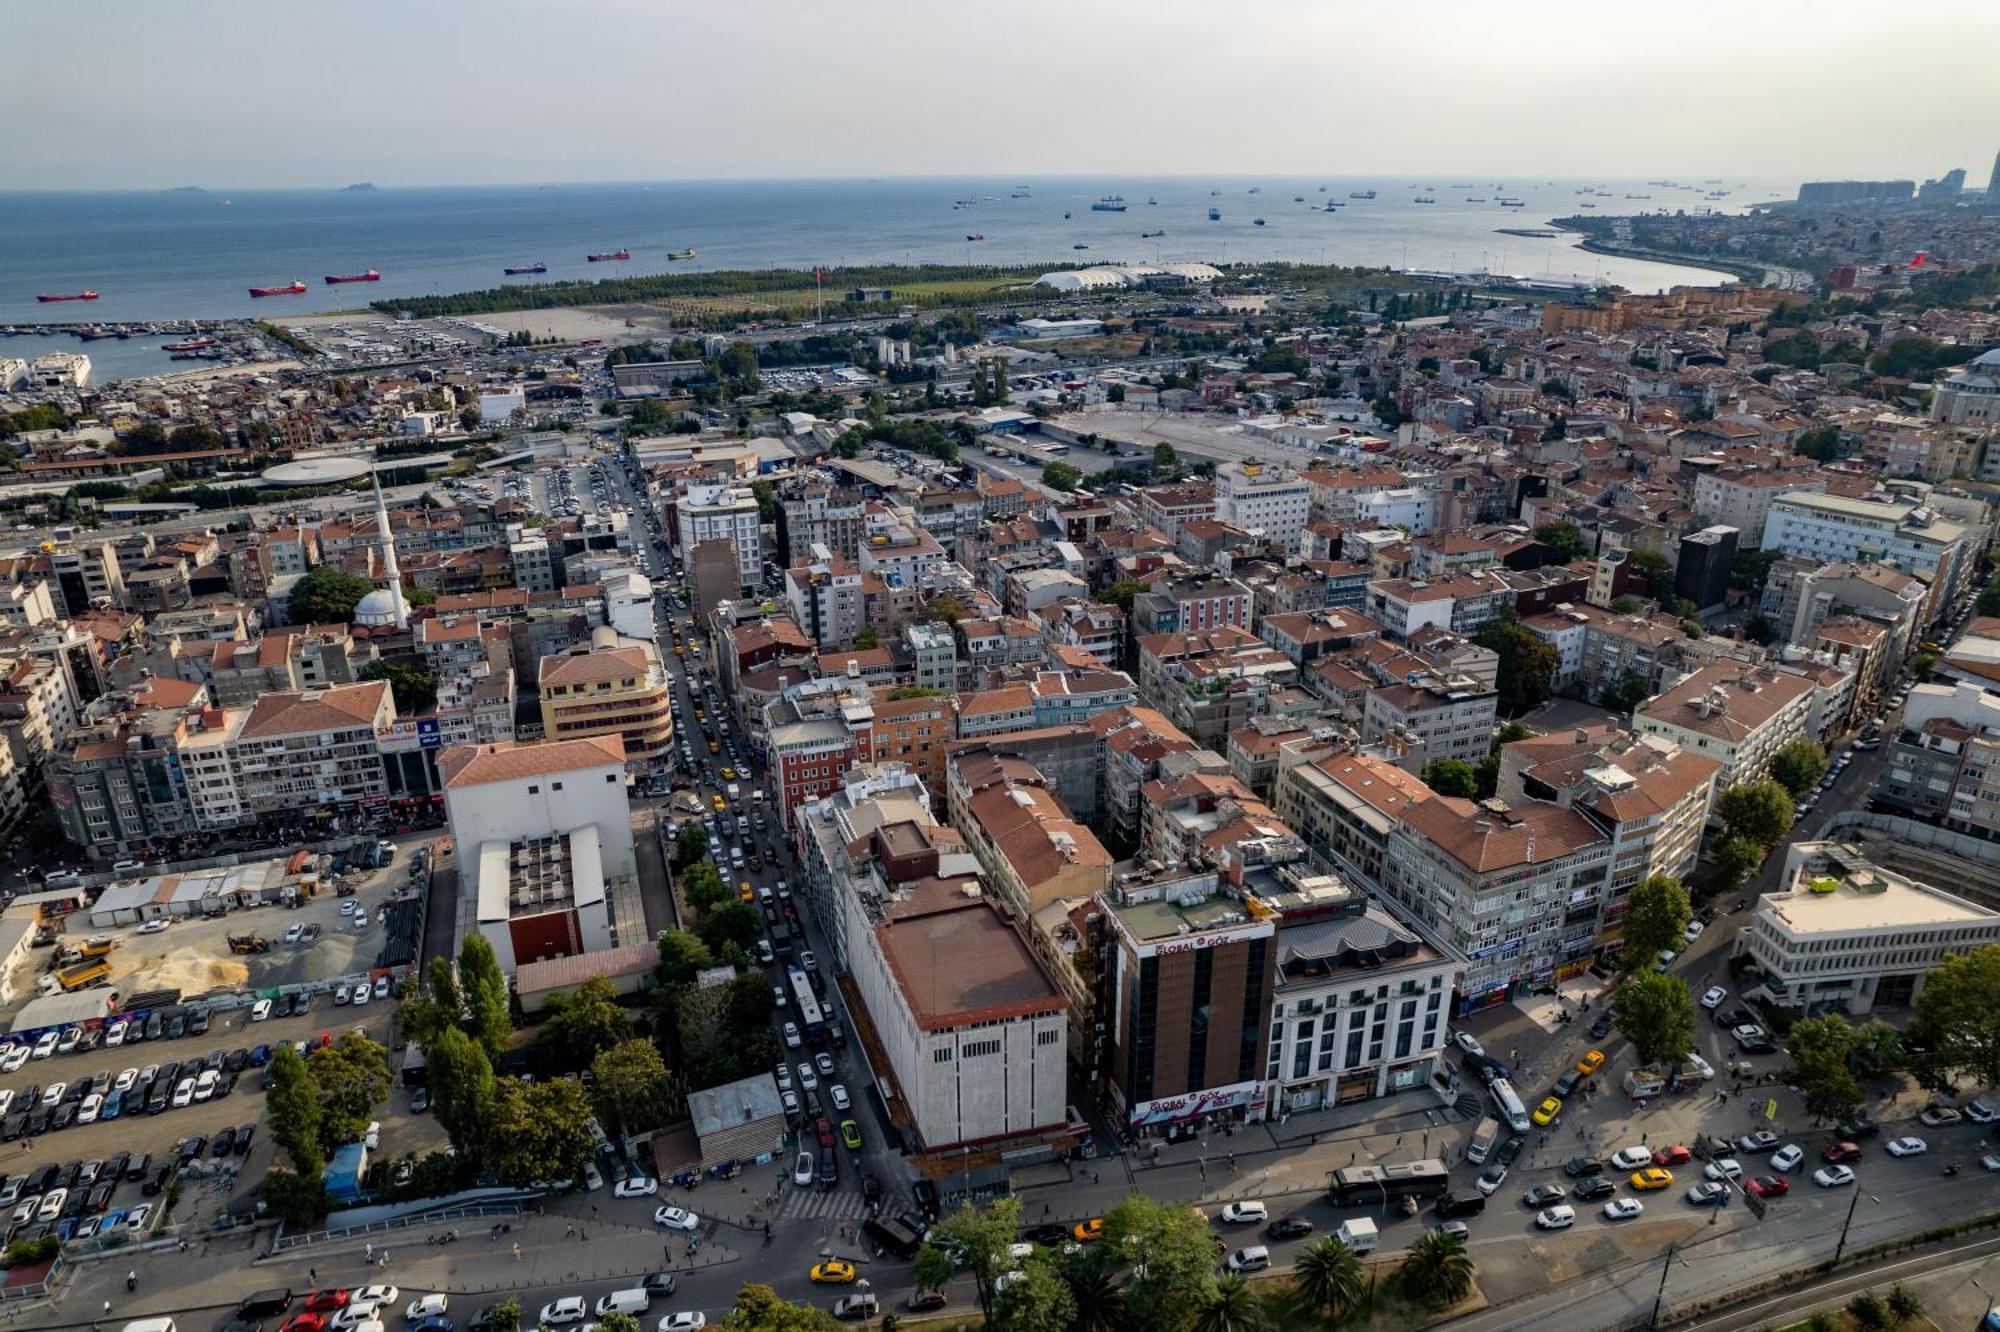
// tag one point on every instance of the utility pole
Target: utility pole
(1661, 1296)
(1841, 1247)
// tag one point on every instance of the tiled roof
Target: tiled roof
(335, 708)
(1485, 840)
(475, 765)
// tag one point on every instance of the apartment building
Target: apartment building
(1430, 717)
(1842, 933)
(723, 513)
(300, 751)
(1031, 852)
(827, 598)
(613, 686)
(1517, 889)
(1270, 501)
(1897, 529)
(1738, 715)
(1346, 806)
(1741, 497)
(1464, 603)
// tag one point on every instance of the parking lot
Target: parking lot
(194, 957)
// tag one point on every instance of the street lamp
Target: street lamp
(1659, 1298)
(1841, 1247)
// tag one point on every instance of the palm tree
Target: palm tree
(1234, 1307)
(1328, 1277)
(1438, 1270)
(1100, 1299)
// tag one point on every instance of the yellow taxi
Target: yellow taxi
(745, 893)
(1088, 1232)
(728, 774)
(1655, 1178)
(1590, 1063)
(718, 802)
(1550, 1107)
(832, 1272)
(680, 651)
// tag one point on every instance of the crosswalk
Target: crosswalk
(812, 1204)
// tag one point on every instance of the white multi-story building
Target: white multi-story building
(1844, 933)
(544, 840)
(1261, 498)
(1736, 714)
(1411, 508)
(302, 750)
(1971, 396)
(723, 513)
(1362, 999)
(1741, 497)
(1897, 528)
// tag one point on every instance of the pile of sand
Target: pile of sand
(185, 969)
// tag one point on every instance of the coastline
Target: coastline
(1752, 273)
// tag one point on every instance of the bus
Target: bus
(811, 1021)
(1509, 1104)
(1360, 1185)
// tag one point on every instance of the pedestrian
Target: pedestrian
(517, 1252)
(368, 1251)
(107, 1308)
(385, 1257)
(583, 1235)
(569, 1229)
(312, 1275)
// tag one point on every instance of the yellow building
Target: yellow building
(615, 686)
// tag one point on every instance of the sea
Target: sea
(195, 253)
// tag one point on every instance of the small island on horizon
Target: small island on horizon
(361, 186)
(184, 189)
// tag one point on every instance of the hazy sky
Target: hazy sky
(241, 93)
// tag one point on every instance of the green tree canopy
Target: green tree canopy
(1165, 458)
(1562, 537)
(1038, 1301)
(1958, 1019)
(1914, 357)
(682, 955)
(489, 1014)
(581, 1026)
(736, 923)
(541, 1131)
(352, 1076)
(1821, 1048)
(1173, 1250)
(415, 688)
(1329, 1278)
(1120, 593)
(1438, 1272)
(1799, 766)
(1234, 1307)
(296, 1115)
(979, 1237)
(1654, 1011)
(326, 595)
(703, 887)
(463, 1088)
(1625, 693)
(1527, 664)
(298, 1199)
(690, 844)
(1061, 476)
(1656, 917)
(1451, 777)
(1821, 443)
(1732, 859)
(629, 1087)
(1760, 812)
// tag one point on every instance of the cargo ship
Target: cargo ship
(296, 289)
(681, 254)
(1361, 194)
(1110, 203)
(1215, 214)
(607, 258)
(335, 279)
(1148, 235)
(531, 268)
(72, 296)
(976, 237)
(190, 345)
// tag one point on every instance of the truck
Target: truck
(1645, 1083)
(82, 976)
(735, 792)
(1359, 1235)
(249, 943)
(1483, 1138)
(100, 946)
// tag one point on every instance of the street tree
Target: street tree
(933, 1268)
(462, 1088)
(352, 1076)
(1657, 913)
(296, 1115)
(1760, 812)
(1563, 538)
(581, 1026)
(505, 1315)
(732, 922)
(759, 1308)
(326, 595)
(1173, 1250)
(1799, 766)
(1821, 1049)
(690, 845)
(1061, 476)
(1233, 1307)
(614, 1321)
(703, 887)
(629, 1087)
(1733, 858)
(1438, 1271)
(294, 1198)
(682, 955)
(1958, 1018)
(541, 1131)
(488, 1014)
(1655, 1012)
(1037, 1301)
(428, 1010)
(1329, 1279)
(982, 1235)
(1625, 693)
(1527, 665)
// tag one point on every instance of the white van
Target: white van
(150, 1325)
(1509, 1104)
(632, 1302)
